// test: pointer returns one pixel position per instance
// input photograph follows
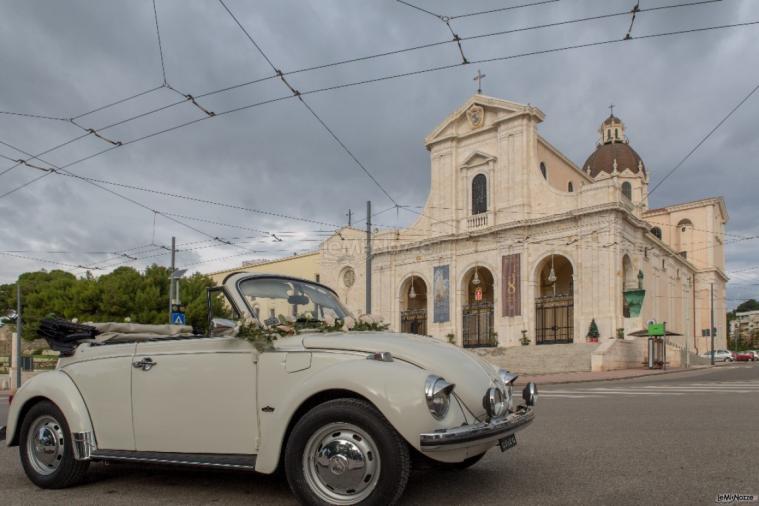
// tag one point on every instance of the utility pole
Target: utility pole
(172, 281)
(19, 330)
(368, 257)
(711, 328)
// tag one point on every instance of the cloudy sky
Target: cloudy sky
(63, 59)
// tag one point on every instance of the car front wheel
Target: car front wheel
(47, 453)
(345, 452)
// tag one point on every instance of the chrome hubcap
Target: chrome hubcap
(341, 463)
(44, 445)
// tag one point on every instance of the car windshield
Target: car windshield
(273, 300)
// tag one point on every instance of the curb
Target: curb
(633, 376)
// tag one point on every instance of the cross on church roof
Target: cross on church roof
(479, 77)
(611, 108)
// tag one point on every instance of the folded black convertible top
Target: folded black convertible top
(63, 336)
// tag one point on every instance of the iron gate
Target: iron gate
(554, 320)
(414, 321)
(478, 325)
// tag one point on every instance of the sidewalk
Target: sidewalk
(582, 377)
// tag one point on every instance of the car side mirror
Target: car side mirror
(222, 327)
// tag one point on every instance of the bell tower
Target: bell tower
(612, 130)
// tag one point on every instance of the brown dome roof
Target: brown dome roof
(612, 119)
(602, 159)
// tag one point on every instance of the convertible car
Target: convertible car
(345, 413)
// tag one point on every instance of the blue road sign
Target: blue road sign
(178, 319)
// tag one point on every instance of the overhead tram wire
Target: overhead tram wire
(704, 139)
(297, 94)
(447, 19)
(62, 170)
(347, 61)
(396, 76)
(433, 69)
(477, 13)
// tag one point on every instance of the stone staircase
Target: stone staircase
(543, 359)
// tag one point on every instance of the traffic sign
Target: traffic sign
(178, 318)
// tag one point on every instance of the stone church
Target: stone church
(518, 245)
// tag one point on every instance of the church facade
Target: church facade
(518, 245)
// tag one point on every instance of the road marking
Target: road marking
(608, 392)
(714, 388)
(567, 396)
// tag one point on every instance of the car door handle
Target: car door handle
(145, 364)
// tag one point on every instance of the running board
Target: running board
(219, 460)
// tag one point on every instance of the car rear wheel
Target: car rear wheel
(345, 452)
(47, 453)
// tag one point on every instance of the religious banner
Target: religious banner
(511, 283)
(442, 289)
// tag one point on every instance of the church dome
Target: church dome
(613, 152)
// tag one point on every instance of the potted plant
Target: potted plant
(593, 333)
(620, 333)
(524, 339)
(451, 338)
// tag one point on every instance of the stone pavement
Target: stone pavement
(581, 377)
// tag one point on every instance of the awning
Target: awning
(644, 333)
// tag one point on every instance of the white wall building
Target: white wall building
(516, 240)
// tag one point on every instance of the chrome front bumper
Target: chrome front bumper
(477, 434)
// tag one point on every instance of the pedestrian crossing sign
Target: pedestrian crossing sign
(178, 318)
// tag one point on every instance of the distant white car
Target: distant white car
(344, 412)
(720, 355)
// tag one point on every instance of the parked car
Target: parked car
(755, 353)
(744, 356)
(344, 412)
(721, 355)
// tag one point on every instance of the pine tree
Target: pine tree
(593, 330)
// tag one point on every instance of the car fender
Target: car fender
(395, 388)
(56, 387)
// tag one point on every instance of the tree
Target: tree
(125, 292)
(593, 330)
(749, 305)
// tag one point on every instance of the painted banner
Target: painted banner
(442, 289)
(511, 283)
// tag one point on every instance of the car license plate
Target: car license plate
(508, 442)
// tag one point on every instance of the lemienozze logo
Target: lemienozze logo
(736, 498)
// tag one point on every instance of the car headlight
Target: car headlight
(437, 392)
(494, 402)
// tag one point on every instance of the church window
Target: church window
(657, 232)
(479, 194)
(570, 187)
(543, 170)
(627, 190)
(616, 133)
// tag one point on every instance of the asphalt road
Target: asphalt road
(680, 438)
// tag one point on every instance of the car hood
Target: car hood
(472, 375)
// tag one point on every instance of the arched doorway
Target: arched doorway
(414, 306)
(477, 318)
(554, 303)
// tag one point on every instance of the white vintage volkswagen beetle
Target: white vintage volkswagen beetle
(345, 413)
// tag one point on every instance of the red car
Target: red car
(744, 356)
